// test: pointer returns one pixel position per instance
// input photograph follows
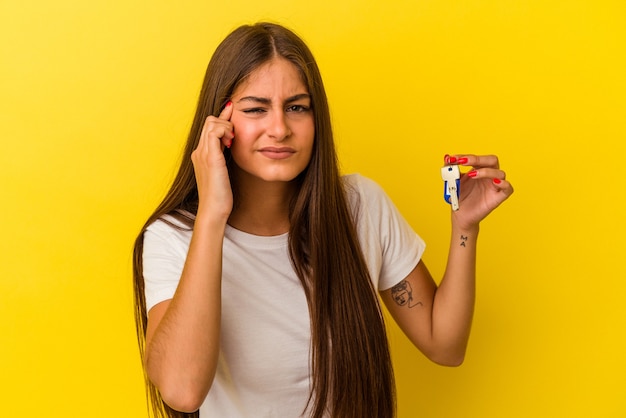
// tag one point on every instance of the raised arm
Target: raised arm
(182, 336)
(438, 319)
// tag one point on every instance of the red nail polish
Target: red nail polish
(472, 173)
(229, 103)
(452, 160)
(462, 160)
(497, 181)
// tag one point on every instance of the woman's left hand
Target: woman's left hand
(483, 188)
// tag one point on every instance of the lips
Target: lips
(277, 153)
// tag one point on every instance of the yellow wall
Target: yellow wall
(96, 98)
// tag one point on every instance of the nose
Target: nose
(278, 126)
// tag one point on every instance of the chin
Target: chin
(269, 176)
(278, 177)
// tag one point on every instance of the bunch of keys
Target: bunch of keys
(451, 187)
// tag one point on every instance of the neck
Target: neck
(261, 208)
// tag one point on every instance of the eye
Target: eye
(254, 110)
(298, 108)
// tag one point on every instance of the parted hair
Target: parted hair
(350, 363)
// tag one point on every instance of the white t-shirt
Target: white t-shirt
(263, 366)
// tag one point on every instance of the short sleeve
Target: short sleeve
(391, 248)
(164, 253)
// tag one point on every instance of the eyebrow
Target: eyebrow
(268, 101)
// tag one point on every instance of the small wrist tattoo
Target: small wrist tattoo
(463, 240)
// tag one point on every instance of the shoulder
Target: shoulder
(357, 185)
(359, 182)
(368, 202)
(169, 223)
(364, 193)
(390, 246)
(169, 231)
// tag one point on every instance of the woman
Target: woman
(256, 277)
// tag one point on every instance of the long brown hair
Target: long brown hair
(351, 368)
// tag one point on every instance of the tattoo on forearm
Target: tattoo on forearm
(463, 240)
(402, 294)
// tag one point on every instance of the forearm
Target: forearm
(181, 354)
(453, 305)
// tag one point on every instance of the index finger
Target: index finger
(474, 160)
(227, 112)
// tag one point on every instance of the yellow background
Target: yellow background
(96, 100)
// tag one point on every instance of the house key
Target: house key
(451, 177)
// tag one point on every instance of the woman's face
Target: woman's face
(273, 123)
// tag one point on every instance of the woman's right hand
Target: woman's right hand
(183, 333)
(214, 189)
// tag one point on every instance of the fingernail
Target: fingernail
(452, 160)
(229, 103)
(472, 173)
(446, 158)
(497, 181)
(462, 160)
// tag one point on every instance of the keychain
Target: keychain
(451, 187)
